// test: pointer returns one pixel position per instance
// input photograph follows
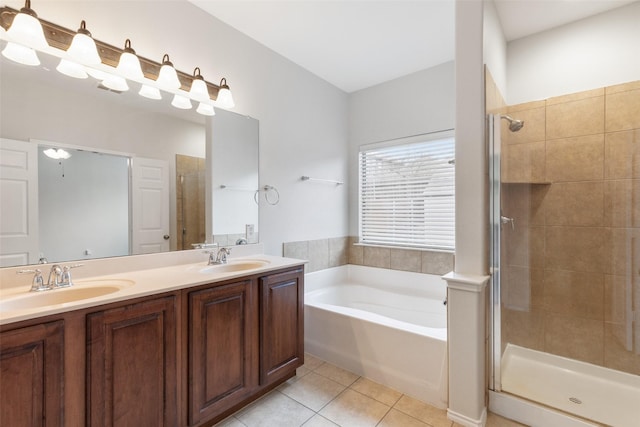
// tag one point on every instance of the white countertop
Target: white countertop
(141, 283)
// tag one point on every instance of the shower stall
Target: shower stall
(565, 254)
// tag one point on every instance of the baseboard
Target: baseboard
(463, 420)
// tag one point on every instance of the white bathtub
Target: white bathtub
(386, 325)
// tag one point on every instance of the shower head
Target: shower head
(514, 124)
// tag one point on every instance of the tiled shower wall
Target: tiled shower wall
(333, 252)
(571, 181)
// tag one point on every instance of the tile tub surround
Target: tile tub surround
(571, 260)
(324, 395)
(334, 252)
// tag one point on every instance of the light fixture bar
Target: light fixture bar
(61, 37)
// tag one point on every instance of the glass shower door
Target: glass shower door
(565, 252)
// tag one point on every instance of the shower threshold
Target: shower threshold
(593, 392)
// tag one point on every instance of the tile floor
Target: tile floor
(323, 395)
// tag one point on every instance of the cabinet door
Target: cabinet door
(222, 348)
(31, 376)
(132, 367)
(281, 324)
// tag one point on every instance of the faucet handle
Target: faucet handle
(37, 284)
(65, 278)
(212, 256)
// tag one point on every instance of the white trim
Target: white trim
(466, 421)
(466, 282)
(428, 136)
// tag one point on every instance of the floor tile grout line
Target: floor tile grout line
(384, 416)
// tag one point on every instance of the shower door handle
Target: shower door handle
(507, 220)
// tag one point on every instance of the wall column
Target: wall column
(467, 290)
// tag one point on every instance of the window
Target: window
(407, 193)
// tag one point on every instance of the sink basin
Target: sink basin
(233, 266)
(80, 291)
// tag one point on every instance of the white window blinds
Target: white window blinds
(407, 195)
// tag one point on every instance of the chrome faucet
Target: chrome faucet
(59, 277)
(221, 256)
(56, 273)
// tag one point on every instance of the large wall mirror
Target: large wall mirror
(140, 176)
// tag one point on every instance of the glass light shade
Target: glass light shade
(27, 30)
(168, 78)
(181, 102)
(20, 54)
(225, 99)
(72, 69)
(83, 49)
(96, 74)
(206, 109)
(199, 90)
(129, 66)
(115, 83)
(150, 92)
(57, 154)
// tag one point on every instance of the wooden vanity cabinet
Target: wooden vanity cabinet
(281, 325)
(187, 357)
(245, 338)
(222, 348)
(132, 365)
(31, 375)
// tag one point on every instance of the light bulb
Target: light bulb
(224, 99)
(20, 54)
(83, 48)
(206, 109)
(199, 90)
(26, 29)
(181, 102)
(168, 77)
(72, 69)
(129, 64)
(150, 92)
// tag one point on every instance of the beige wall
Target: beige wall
(571, 180)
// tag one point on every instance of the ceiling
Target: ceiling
(354, 44)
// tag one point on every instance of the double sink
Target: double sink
(88, 289)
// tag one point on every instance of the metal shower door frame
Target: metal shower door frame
(495, 155)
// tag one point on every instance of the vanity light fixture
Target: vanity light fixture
(199, 90)
(116, 83)
(83, 48)
(72, 69)
(168, 78)
(224, 99)
(81, 54)
(150, 92)
(96, 74)
(20, 54)
(206, 109)
(25, 35)
(181, 102)
(129, 64)
(57, 153)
